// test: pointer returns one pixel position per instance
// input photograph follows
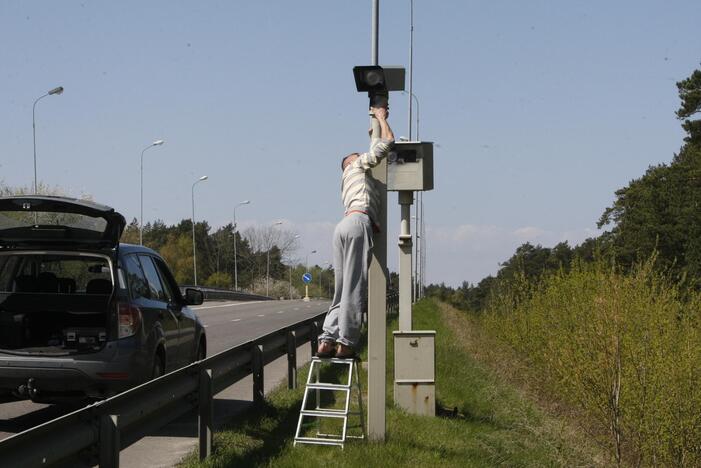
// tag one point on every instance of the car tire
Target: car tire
(201, 352)
(158, 367)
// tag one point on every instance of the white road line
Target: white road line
(296, 308)
(205, 326)
(236, 320)
(226, 305)
(261, 315)
(280, 311)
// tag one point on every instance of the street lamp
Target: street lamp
(141, 223)
(321, 271)
(236, 272)
(194, 250)
(267, 271)
(297, 236)
(55, 91)
(416, 101)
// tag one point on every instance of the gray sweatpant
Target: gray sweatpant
(352, 243)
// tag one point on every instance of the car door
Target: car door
(186, 320)
(158, 304)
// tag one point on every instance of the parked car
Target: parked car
(82, 315)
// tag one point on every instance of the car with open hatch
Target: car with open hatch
(81, 314)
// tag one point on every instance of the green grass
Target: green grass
(494, 425)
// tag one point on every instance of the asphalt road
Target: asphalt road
(227, 324)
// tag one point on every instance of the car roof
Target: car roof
(134, 248)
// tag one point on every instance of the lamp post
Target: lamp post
(297, 236)
(141, 222)
(194, 250)
(55, 91)
(236, 272)
(267, 271)
(321, 272)
(416, 101)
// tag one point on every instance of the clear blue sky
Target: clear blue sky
(542, 109)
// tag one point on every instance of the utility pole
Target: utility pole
(377, 282)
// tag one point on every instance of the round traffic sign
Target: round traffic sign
(307, 278)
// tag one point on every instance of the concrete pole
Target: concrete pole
(411, 58)
(406, 198)
(377, 287)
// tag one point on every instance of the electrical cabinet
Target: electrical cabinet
(415, 371)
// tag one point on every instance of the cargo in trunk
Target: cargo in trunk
(54, 303)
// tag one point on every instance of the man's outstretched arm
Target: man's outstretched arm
(379, 147)
(381, 115)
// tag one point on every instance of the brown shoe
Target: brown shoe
(326, 349)
(345, 352)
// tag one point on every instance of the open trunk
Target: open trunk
(54, 303)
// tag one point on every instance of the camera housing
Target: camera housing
(410, 166)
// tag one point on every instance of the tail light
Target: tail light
(128, 319)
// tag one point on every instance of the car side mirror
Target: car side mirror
(193, 296)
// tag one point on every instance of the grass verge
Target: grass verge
(493, 425)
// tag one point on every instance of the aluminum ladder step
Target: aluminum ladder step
(314, 385)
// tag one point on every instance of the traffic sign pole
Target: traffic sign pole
(307, 278)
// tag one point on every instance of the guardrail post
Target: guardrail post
(109, 441)
(258, 376)
(205, 417)
(314, 337)
(291, 359)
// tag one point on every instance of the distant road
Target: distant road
(227, 324)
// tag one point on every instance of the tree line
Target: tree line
(259, 251)
(657, 214)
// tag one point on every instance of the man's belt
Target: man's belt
(355, 211)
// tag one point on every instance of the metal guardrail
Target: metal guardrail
(215, 294)
(98, 432)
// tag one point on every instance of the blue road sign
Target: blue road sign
(307, 278)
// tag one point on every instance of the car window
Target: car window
(135, 278)
(166, 279)
(8, 265)
(154, 281)
(55, 274)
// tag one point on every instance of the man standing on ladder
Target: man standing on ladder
(352, 243)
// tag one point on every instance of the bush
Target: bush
(625, 348)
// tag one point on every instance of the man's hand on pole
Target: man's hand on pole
(381, 114)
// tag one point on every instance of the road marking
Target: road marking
(205, 326)
(226, 305)
(296, 308)
(261, 315)
(280, 311)
(236, 320)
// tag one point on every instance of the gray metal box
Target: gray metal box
(410, 166)
(415, 371)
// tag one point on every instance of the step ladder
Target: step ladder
(315, 385)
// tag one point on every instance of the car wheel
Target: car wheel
(201, 352)
(158, 367)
